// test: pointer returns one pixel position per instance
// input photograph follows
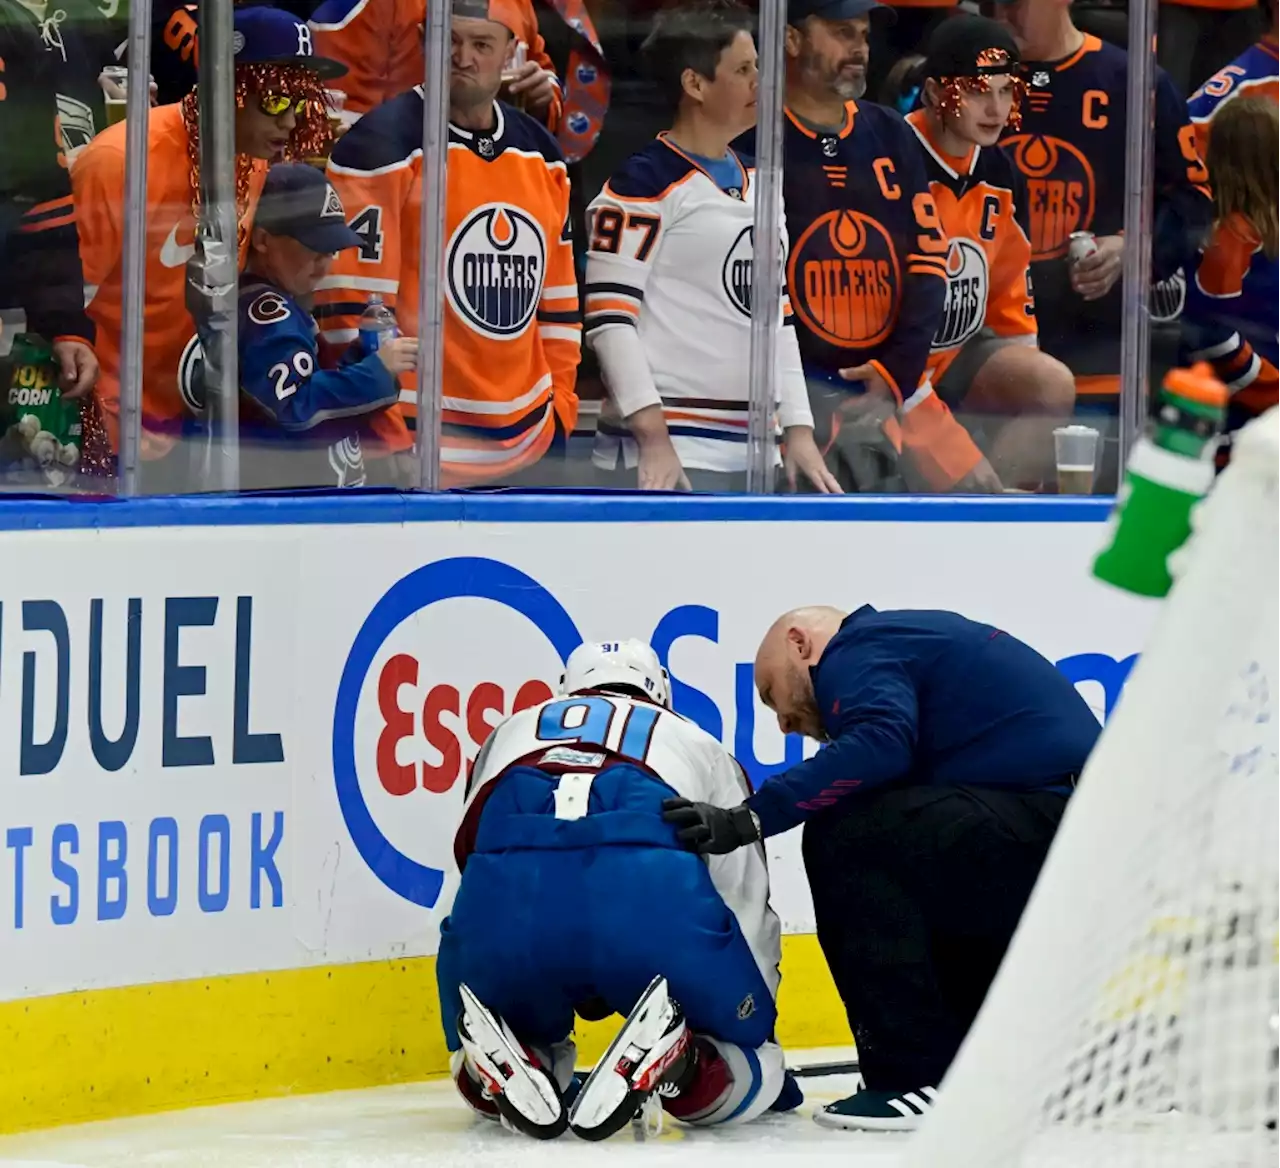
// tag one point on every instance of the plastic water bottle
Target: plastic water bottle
(377, 325)
(1169, 471)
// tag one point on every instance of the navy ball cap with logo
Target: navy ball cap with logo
(271, 36)
(298, 201)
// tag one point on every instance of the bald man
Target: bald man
(952, 748)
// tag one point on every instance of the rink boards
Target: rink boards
(234, 737)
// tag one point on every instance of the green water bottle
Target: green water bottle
(1170, 470)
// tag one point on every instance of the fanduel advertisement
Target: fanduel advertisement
(227, 749)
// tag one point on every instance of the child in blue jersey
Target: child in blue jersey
(1231, 318)
(300, 423)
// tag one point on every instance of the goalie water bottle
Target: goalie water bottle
(1170, 470)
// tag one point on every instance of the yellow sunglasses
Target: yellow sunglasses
(274, 105)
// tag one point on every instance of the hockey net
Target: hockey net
(1133, 1023)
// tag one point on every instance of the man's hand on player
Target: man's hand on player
(1094, 276)
(77, 367)
(709, 830)
(804, 457)
(536, 85)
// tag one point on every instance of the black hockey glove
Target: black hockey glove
(705, 829)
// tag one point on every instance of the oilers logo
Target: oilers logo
(578, 123)
(844, 279)
(736, 274)
(966, 304)
(1060, 191)
(494, 269)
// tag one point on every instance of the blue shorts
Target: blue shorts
(537, 932)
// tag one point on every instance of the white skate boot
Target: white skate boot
(650, 1049)
(525, 1094)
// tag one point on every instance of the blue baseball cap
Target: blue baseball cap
(298, 201)
(798, 10)
(271, 36)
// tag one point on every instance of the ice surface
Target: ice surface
(427, 1125)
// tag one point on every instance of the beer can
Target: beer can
(1081, 245)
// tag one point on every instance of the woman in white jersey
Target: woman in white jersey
(668, 289)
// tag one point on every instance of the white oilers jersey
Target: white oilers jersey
(669, 262)
(589, 732)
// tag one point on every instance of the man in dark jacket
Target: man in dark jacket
(951, 750)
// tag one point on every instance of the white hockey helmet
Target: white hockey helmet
(601, 664)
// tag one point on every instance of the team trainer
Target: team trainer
(952, 748)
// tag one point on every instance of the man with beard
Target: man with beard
(866, 271)
(512, 332)
(952, 748)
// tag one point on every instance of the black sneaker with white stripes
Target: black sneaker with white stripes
(879, 1110)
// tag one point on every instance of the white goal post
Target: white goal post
(1133, 1022)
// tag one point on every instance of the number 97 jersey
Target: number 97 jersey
(580, 737)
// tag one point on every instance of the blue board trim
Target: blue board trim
(41, 513)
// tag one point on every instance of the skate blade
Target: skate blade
(605, 1091)
(526, 1096)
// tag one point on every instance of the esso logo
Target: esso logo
(451, 729)
(430, 673)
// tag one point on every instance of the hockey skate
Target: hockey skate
(650, 1050)
(525, 1094)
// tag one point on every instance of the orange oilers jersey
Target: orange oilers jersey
(381, 43)
(981, 200)
(513, 332)
(1252, 74)
(170, 348)
(1070, 149)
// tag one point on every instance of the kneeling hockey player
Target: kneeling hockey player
(577, 897)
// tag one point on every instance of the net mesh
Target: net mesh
(1134, 1021)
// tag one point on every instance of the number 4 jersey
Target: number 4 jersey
(580, 736)
(512, 331)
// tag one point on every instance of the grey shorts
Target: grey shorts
(975, 353)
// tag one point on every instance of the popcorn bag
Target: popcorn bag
(40, 433)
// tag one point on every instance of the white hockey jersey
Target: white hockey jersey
(587, 733)
(668, 309)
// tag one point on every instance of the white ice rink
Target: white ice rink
(425, 1125)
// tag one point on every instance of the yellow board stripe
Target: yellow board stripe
(100, 1054)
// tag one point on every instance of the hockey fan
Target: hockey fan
(576, 897)
(512, 331)
(985, 357)
(866, 270)
(300, 423)
(671, 240)
(280, 113)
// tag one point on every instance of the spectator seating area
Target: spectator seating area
(581, 304)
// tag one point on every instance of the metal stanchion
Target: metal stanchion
(134, 291)
(766, 269)
(435, 150)
(213, 273)
(1135, 337)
